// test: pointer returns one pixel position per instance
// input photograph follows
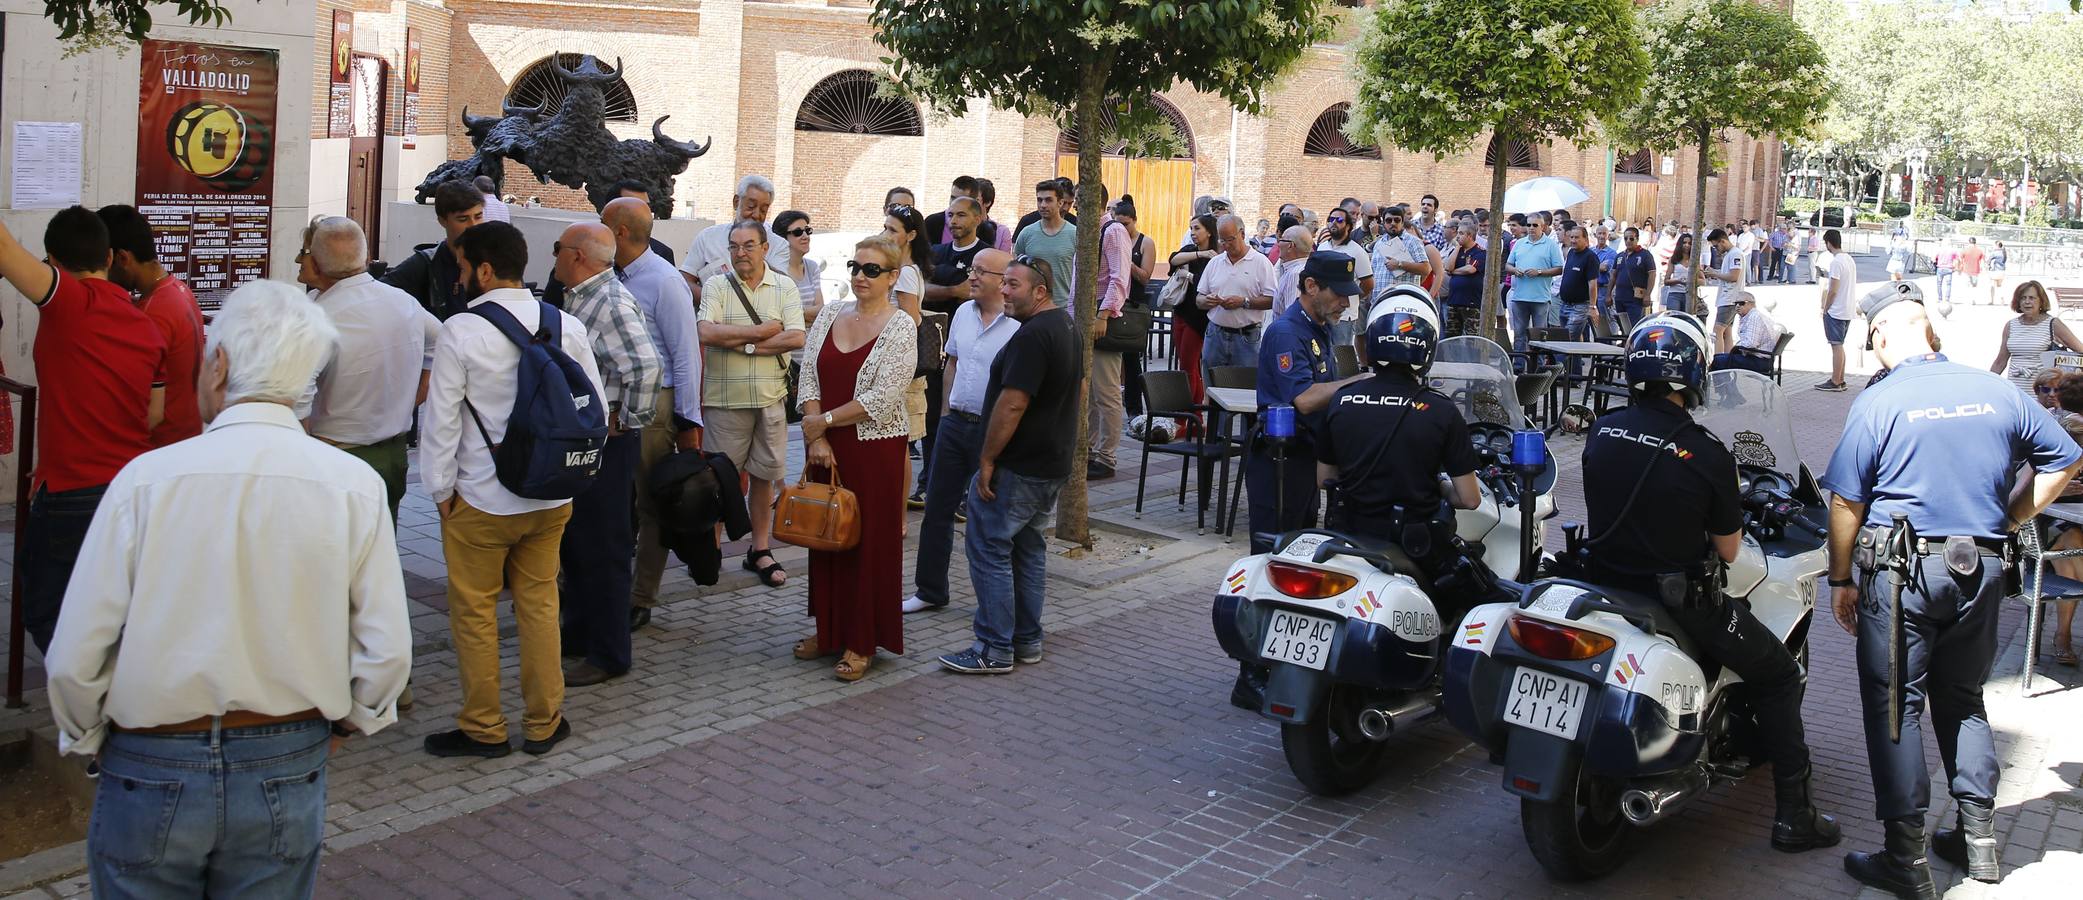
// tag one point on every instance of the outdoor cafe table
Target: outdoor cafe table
(1579, 350)
(1243, 404)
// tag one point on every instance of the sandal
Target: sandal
(807, 649)
(2065, 656)
(771, 574)
(852, 666)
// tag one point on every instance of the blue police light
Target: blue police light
(1280, 421)
(1529, 449)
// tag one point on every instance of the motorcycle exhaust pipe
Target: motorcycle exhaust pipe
(1650, 800)
(1377, 723)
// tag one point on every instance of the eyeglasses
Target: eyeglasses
(872, 270)
(998, 274)
(556, 248)
(804, 231)
(2043, 389)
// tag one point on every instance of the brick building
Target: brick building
(784, 88)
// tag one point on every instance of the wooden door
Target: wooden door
(1634, 200)
(371, 78)
(1163, 189)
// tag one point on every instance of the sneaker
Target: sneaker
(456, 743)
(1831, 386)
(974, 662)
(917, 500)
(538, 748)
(1098, 471)
(915, 603)
(962, 511)
(914, 449)
(1027, 654)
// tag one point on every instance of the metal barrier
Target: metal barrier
(25, 445)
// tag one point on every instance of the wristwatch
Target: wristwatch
(748, 350)
(828, 420)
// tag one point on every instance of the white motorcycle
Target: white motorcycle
(1349, 631)
(1605, 718)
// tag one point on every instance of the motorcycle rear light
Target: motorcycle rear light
(1304, 583)
(1548, 640)
(1526, 784)
(1282, 709)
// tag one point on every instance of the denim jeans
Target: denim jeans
(1945, 285)
(1008, 560)
(1342, 334)
(1576, 318)
(238, 813)
(1526, 315)
(954, 466)
(1227, 348)
(51, 539)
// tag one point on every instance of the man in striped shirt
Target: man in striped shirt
(599, 543)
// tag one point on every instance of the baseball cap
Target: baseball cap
(1223, 202)
(1889, 295)
(1334, 270)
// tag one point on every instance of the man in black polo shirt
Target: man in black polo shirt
(1030, 403)
(1579, 288)
(1634, 280)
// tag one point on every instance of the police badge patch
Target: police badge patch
(1751, 450)
(1287, 362)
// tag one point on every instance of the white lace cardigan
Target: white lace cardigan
(884, 377)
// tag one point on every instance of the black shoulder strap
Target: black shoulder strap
(742, 299)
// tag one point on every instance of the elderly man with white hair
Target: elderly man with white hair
(710, 255)
(367, 392)
(1236, 289)
(600, 540)
(212, 677)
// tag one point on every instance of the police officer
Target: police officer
(1294, 369)
(1663, 515)
(1387, 438)
(1939, 444)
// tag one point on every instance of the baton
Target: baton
(1897, 549)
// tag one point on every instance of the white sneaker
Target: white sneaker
(913, 604)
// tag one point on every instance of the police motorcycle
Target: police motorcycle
(1603, 716)
(1351, 636)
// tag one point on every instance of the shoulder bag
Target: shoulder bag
(818, 515)
(791, 371)
(932, 343)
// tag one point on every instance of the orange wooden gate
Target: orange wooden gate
(1163, 189)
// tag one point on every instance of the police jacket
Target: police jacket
(1680, 479)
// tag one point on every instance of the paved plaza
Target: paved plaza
(723, 767)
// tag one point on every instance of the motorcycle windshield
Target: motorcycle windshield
(1477, 375)
(1750, 413)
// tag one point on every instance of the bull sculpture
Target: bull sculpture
(573, 147)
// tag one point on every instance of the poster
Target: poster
(46, 160)
(411, 123)
(340, 106)
(205, 161)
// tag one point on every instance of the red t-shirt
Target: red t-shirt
(97, 359)
(171, 306)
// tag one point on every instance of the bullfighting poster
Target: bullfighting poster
(205, 161)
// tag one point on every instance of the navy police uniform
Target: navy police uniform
(1294, 354)
(1939, 443)
(1390, 438)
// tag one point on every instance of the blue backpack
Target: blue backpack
(558, 426)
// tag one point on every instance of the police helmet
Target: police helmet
(1668, 349)
(1402, 329)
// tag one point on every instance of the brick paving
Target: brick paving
(723, 767)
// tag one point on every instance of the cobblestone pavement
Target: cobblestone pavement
(723, 767)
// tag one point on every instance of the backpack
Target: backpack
(558, 425)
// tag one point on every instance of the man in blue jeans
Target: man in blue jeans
(1533, 263)
(979, 330)
(211, 679)
(1030, 402)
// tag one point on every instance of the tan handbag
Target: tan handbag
(818, 516)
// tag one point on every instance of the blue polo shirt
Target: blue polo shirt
(1295, 353)
(1941, 443)
(1528, 253)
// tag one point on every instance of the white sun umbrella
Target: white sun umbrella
(1544, 193)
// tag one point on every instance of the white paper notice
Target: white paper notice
(46, 165)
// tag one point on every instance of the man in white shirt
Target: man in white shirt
(218, 668)
(495, 209)
(1236, 289)
(367, 392)
(1730, 272)
(1838, 274)
(1757, 336)
(1340, 237)
(979, 330)
(1287, 274)
(490, 537)
(710, 255)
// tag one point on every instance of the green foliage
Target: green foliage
(1725, 64)
(91, 24)
(1799, 205)
(1436, 74)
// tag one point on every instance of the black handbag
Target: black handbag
(1128, 332)
(932, 343)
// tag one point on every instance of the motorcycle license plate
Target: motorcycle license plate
(1546, 703)
(1302, 640)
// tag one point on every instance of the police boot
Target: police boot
(1250, 690)
(1900, 867)
(1797, 825)
(1972, 846)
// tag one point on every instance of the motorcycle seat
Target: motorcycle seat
(1398, 559)
(1660, 617)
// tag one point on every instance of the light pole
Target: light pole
(1917, 157)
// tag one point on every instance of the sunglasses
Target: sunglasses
(902, 210)
(804, 231)
(2043, 389)
(872, 270)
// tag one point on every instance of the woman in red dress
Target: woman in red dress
(858, 360)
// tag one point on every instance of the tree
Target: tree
(1719, 65)
(1066, 59)
(88, 24)
(1434, 76)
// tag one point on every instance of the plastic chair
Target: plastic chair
(1779, 356)
(1167, 396)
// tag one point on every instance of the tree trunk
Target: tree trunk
(1493, 262)
(1072, 506)
(1699, 223)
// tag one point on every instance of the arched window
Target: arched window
(1327, 137)
(1640, 162)
(1067, 141)
(539, 83)
(1520, 155)
(850, 102)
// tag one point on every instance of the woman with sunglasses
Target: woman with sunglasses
(858, 362)
(2027, 338)
(1676, 275)
(808, 274)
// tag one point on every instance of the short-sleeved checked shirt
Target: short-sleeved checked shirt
(622, 345)
(731, 378)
